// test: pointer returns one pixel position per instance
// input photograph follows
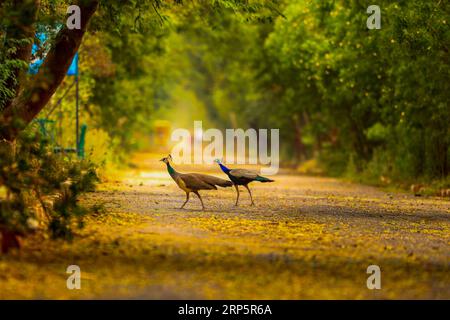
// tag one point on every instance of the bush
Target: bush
(42, 188)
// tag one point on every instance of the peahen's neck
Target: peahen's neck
(224, 169)
(171, 170)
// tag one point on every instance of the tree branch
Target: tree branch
(33, 98)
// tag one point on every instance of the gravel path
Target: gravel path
(320, 234)
(306, 238)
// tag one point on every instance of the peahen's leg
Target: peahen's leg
(187, 199)
(237, 190)
(251, 198)
(198, 195)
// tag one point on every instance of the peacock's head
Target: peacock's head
(218, 161)
(167, 159)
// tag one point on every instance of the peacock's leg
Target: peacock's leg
(251, 198)
(198, 195)
(187, 199)
(237, 190)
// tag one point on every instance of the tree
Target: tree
(376, 100)
(30, 97)
(24, 97)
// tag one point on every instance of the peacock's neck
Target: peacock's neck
(224, 169)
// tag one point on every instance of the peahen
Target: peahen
(242, 177)
(193, 182)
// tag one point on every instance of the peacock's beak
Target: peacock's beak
(161, 159)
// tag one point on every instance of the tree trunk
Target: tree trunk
(10, 240)
(300, 152)
(31, 99)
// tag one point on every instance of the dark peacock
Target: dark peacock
(194, 182)
(242, 177)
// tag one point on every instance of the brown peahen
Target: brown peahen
(242, 177)
(194, 182)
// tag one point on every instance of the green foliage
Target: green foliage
(370, 98)
(7, 68)
(373, 103)
(33, 175)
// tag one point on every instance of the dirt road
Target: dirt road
(306, 238)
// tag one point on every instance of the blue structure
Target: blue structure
(72, 71)
(36, 64)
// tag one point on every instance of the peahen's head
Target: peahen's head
(167, 159)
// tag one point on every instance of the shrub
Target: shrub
(42, 189)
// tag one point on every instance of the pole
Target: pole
(77, 116)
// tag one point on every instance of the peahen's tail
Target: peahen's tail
(212, 180)
(263, 179)
(224, 183)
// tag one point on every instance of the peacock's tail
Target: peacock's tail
(263, 179)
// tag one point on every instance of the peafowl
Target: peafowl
(242, 177)
(193, 182)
